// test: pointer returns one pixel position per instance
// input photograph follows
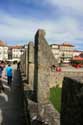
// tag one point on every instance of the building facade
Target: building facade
(56, 51)
(15, 52)
(3, 51)
(64, 52)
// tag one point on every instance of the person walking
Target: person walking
(18, 65)
(9, 74)
(1, 70)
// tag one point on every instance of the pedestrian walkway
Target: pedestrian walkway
(12, 102)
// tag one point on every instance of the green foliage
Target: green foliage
(55, 97)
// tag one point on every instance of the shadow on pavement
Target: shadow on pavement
(12, 102)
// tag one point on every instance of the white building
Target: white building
(63, 52)
(15, 52)
(66, 50)
(3, 51)
(56, 51)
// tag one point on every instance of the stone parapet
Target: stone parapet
(72, 101)
(49, 114)
(44, 51)
(43, 59)
(43, 114)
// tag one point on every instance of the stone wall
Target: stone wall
(43, 59)
(49, 114)
(57, 77)
(23, 63)
(40, 78)
(72, 101)
(30, 64)
(38, 63)
(45, 55)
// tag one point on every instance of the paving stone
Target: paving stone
(12, 102)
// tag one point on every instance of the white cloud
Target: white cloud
(76, 5)
(64, 29)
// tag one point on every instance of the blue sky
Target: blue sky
(61, 19)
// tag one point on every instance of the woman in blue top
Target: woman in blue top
(9, 74)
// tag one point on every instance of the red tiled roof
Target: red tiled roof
(63, 44)
(16, 47)
(2, 43)
(77, 58)
(66, 44)
(77, 51)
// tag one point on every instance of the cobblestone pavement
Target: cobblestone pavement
(12, 102)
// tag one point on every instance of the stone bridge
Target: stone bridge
(36, 63)
(36, 66)
(26, 102)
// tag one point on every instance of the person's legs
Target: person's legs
(9, 80)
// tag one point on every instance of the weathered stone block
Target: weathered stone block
(72, 101)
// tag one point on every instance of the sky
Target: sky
(62, 21)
